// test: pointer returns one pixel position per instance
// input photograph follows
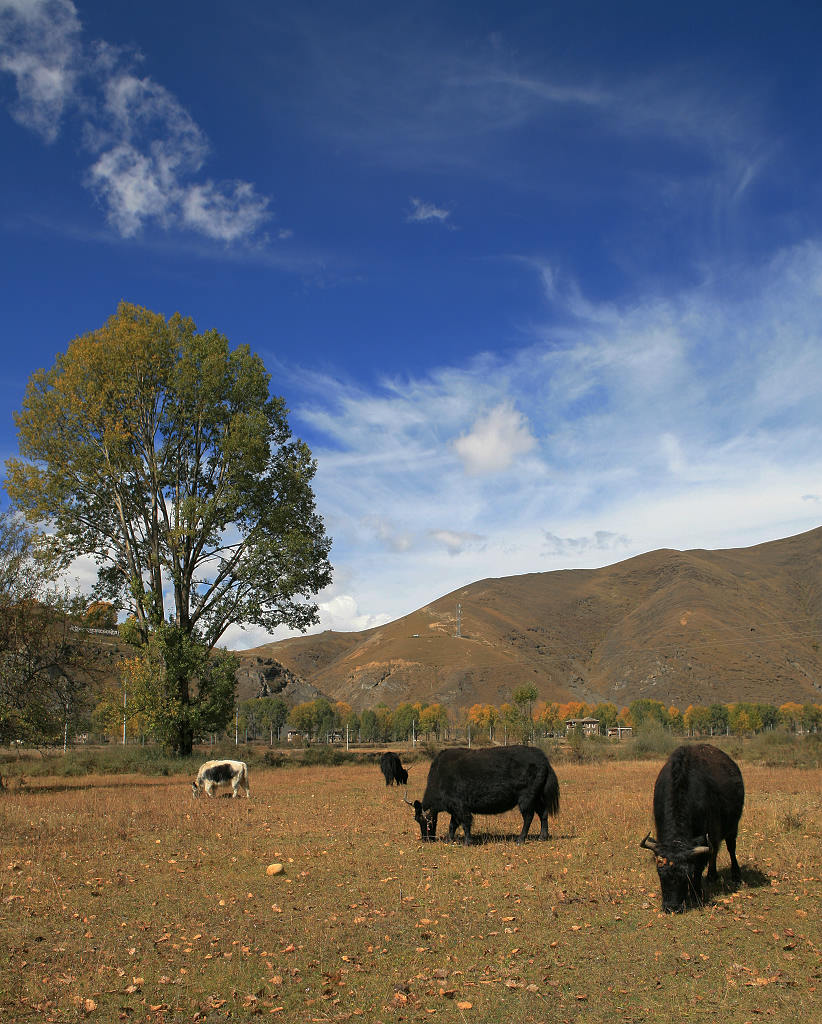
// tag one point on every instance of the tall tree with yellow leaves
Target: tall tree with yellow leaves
(160, 452)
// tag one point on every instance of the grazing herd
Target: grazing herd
(698, 799)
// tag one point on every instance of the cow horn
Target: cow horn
(699, 850)
(648, 843)
(405, 798)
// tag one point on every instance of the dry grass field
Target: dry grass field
(122, 898)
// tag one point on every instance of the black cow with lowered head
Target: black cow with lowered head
(698, 800)
(492, 780)
(392, 769)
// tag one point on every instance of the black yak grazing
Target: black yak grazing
(698, 800)
(466, 782)
(392, 769)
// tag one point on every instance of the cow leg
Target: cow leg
(698, 868)
(466, 828)
(541, 808)
(209, 788)
(527, 818)
(453, 825)
(711, 876)
(235, 789)
(736, 873)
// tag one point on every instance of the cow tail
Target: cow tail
(551, 791)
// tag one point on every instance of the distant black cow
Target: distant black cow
(698, 800)
(392, 769)
(466, 782)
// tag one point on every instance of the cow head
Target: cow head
(426, 819)
(195, 789)
(679, 871)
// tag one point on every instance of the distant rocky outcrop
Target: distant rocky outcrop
(262, 676)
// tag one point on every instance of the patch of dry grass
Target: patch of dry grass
(123, 898)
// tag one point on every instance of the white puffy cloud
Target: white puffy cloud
(82, 574)
(147, 152)
(228, 213)
(495, 441)
(341, 612)
(39, 46)
(131, 187)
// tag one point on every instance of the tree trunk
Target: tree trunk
(182, 739)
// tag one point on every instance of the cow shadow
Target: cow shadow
(501, 838)
(753, 878)
(37, 789)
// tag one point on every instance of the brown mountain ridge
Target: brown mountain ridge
(682, 627)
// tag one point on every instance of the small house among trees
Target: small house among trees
(589, 726)
(619, 731)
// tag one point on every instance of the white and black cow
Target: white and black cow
(214, 773)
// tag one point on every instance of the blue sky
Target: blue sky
(540, 282)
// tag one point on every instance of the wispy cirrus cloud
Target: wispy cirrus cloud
(421, 212)
(456, 542)
(433, 102)
(147, 154)
(688, 422)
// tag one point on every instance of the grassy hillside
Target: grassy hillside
(683, 627)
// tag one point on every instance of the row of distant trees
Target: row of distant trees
(321, 720)
(739, 718)
(524, 718)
